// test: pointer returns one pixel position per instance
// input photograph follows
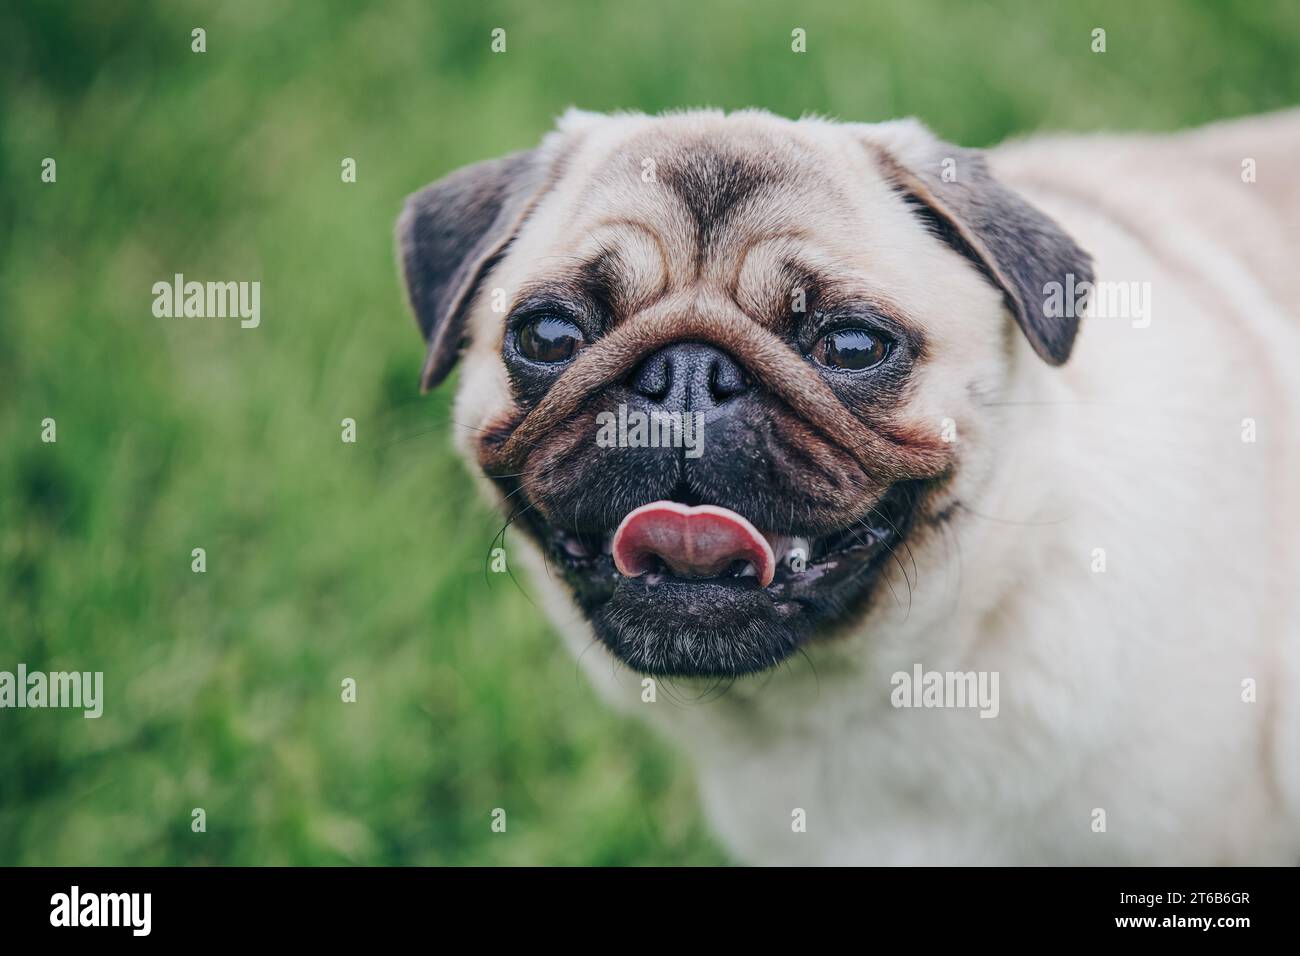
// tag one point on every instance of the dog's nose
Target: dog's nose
(689, 376)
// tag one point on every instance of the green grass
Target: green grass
(328, 560)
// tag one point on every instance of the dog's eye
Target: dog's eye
(549, 338)
(851, 349)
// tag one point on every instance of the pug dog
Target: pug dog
(989, 550)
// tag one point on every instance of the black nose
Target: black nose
(689, 376)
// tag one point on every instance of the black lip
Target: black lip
(656, 628)
(663, 625)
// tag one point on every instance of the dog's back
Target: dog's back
(1235, 180)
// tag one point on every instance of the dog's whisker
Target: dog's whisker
(1024, 524)
(492, 545)
(812, 666)
(900, 538)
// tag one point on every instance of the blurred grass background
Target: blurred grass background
(328, 560)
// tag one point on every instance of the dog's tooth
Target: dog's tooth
(748, 571)
(798, 549)
(607, 545)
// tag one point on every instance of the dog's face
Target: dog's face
(811, 316)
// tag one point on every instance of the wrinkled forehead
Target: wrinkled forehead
(748, 210)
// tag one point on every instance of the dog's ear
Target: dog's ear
(450, 234)
(1016, 246)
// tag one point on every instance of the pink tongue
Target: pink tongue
(697, 542)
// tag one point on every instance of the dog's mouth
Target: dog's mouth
(667, 541)
(698, 590)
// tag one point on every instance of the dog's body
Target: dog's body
(1116, 538)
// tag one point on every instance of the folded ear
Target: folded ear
(1016, 246)
(450, 234)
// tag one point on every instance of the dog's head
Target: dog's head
(722, 368)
